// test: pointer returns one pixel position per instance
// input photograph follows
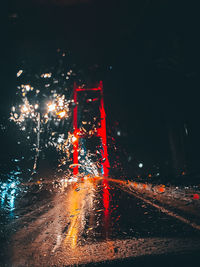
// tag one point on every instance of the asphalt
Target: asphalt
(94, 222)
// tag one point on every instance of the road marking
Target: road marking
(164, 210)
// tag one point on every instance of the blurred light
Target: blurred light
(27, 87)
(36, 106)
(74, 179)
(60, 139)
(74, 139)
(196, 196)
(144, 186)
(19, 73)
(129, 158)
(13, 191)
(46, 75)
(140, 165)
(162, 189)
(24, 109)
(3, 196)
(60, 103)
(186, 130)
(12, 185)
(61, 114)
(51, 107)
(3, 185)
(12, 202)
(118, 133)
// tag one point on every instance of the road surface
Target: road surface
(92, 221)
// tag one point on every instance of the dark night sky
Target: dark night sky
(152, 46)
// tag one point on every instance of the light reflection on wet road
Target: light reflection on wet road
(92, 221)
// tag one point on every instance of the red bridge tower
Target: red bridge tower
(101, 131)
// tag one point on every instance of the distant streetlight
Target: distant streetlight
(140, 165)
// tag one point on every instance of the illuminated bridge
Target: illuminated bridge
(99, 120)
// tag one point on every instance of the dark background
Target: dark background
(147, 54)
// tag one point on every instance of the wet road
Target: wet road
(92, 221)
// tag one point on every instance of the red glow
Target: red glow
(75, 126)
(88, 89)
(162, 189)
(105, 196)
(92, 100)
(106, 200)
(196, 196)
